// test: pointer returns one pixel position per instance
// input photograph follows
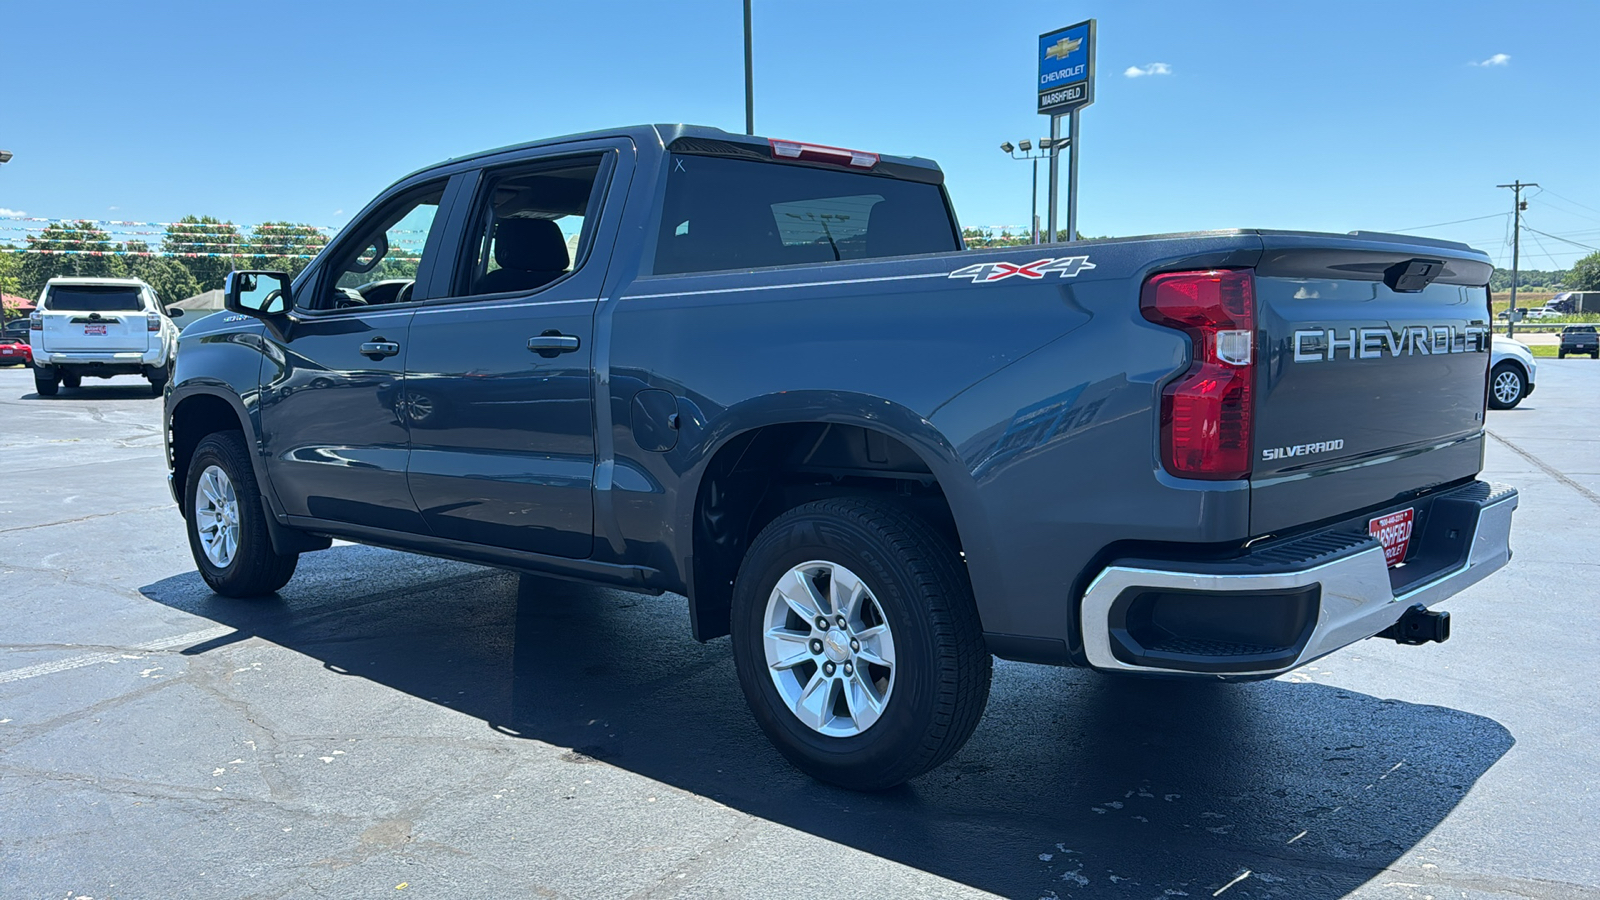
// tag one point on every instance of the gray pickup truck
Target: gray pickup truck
(767, 375)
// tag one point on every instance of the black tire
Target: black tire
(71, 379)
(254, 569)
(158, 379)
(1561, 354)
(942, 667)
(46, 382)
(1513, 396)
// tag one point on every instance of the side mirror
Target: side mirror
(174, 313)
(261, 294)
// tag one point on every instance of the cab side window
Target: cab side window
(528, 229)
(380, 265)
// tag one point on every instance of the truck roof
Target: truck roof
(660, 136)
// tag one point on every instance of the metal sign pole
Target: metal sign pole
(1065, 86)
(1072, 177)
(1055, 159)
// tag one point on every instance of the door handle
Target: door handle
(552, 344)
(379, 349)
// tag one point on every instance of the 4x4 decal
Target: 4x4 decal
(1065, 266)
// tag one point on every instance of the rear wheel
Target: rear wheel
(1507, 385)
(71, 379)
(857, 642)
(158, 377)
(46, 381)
(227, 522)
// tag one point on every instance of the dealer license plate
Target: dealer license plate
(94, 329)
(1394, 532)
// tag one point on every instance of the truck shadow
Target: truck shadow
(129, 390)
(1075, 784)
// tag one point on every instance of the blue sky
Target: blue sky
(1325, 116)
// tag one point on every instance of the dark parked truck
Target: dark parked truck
(768, 376)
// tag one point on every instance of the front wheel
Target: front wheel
(857, 642)
(227, 522)
(1506, 386)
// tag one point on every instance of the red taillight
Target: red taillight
(1206, 413)
(153, 321)
(818, 153)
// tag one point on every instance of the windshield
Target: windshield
(93, 298)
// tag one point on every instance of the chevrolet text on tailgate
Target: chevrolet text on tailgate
(767, 375)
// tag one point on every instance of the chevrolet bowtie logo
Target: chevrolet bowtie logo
(1061, 48)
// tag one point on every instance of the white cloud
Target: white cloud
(1152, 69)
(1499, 59)
(11, 212)
(112, 208)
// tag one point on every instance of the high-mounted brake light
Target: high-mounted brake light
(1207, 414)
(839, 156)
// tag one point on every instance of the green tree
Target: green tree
(1537, 279)
(205, 246)
(167, 276)
(283, 246)
(68, 248)
(1584, 274)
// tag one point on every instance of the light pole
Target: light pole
(5, 157)
(1028, 153)
(749, 76)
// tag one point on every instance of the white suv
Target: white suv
(100, 327)
(1511, 371)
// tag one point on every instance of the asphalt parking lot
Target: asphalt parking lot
(392, 725)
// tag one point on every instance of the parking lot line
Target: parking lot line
(1591, 496)
(90, 659)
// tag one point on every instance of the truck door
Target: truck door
(499, 390)
(334, 440)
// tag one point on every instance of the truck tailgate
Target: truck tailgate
(1373, 377)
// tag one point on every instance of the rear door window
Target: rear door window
(93, 298)
(724, 213)
(528, 228)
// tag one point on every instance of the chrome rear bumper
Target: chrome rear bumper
(1341, 571)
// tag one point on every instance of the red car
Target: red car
(15, 352)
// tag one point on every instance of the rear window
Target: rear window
(93, 298)
(740, 214)
(1580, 329)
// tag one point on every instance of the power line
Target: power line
(1563, 240)
(1442, 224)
(1545, 251)
(1569, 200)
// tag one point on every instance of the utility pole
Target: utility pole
(749, 76)
(1517, 206)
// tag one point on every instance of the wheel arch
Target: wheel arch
(199, 411)
(727, 497)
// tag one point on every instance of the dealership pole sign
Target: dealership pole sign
(1066, 69)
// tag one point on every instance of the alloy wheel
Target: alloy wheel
(829, 648)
